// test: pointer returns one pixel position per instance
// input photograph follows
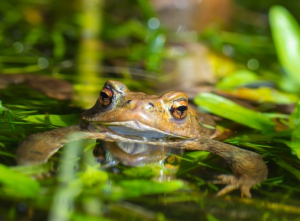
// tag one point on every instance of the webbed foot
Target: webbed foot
(233, 183)
(248, 170)
(248, 167)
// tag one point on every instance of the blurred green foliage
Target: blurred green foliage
(16, 185)
(286, 35)
(45, 37)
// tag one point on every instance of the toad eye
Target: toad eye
(106, 96)
(179, 109)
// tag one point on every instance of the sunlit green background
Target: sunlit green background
(243, 55)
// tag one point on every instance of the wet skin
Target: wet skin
(156, 123)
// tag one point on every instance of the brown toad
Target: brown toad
(129, 118)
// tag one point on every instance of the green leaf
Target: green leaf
(135, 188)
(93, 176)
(34, 169)
(260, 95)
(210, 217)
(59, 44)
(239, 78)
(295, 116)
(156, 45)
(131, 28)
(288, 167)
(139, 172)
(286, 34)
(146, 8)
(76, 216)
(194, 159)
(16, 184)
(1, 108)
(57, 120)
(295, 124)
(293, 145)
(228, 109)
(3, 153)
(146, 171)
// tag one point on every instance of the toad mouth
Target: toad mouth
(136, 128)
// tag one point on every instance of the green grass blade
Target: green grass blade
(57, 120)
(228, 109)
(16, 184)
(137, 187)
(286, 35)
(288, 167)
(1, 108)
(238, 78)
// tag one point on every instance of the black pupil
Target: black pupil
(182, 108)
(104, 95)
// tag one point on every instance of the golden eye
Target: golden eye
(179, 109)
(105, 97)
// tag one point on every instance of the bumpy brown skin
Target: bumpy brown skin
(147, 113)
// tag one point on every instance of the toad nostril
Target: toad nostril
(148, 105)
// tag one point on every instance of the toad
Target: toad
(125, 119)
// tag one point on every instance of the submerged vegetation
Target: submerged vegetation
(252, 76)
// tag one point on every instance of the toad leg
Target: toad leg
(38, 148)
(248, 167)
